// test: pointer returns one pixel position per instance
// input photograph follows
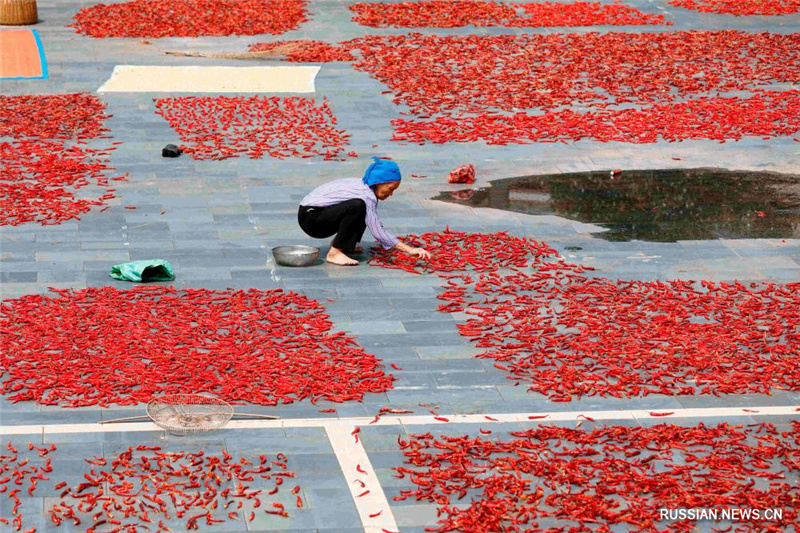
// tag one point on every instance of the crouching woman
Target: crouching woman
(344, 208)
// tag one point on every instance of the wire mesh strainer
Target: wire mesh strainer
(184, 414)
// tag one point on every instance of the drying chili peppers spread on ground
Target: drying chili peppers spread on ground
(75, 116)
(190, 18)
(457, 13)
(47, 163)
(306, 51)
(124, 347)
(610, 475)
(221, 127)
(21, 469)
(767, 114)
(630, 87)
(565, 334)
(142, 487)
(741, 7)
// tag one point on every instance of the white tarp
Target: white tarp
(161, 79)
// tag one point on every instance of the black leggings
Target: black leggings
(346, 220)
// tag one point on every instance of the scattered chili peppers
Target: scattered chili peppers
(766, 115)
(190, 18)
(739, 8)
(484, 87)
(592, 480)
(433, 13)
(39, 181)
(43, 168)
(458, 13)
(221, 127)
(470, 74)
(541, 14)
(142, 487)
(60, 116)
(19, 474)
(566, 334)
(125, 347)
(306, 51)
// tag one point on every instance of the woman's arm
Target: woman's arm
(416, 252)
(386, 239)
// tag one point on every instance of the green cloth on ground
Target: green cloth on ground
(147, 270)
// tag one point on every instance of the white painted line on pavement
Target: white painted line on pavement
(640, 414)
(367, 494)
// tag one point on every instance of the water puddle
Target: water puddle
(654, 205)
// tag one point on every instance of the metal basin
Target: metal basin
(295, 256)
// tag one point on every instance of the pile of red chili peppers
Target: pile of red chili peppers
(565, 334)
(75, 116)
(143, 486)
(539, 14)
(125, 347)
(506, 73)
(633, 87)
(220, 127)
(767, 114)
(190, 18)
(740, 7)
(46, 164)
(16, 472)
(610, 475)
(457, 13)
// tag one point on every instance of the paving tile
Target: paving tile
(17, 277)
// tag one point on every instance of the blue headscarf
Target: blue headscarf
(381, 171)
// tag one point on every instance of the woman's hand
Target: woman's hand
(422, 253)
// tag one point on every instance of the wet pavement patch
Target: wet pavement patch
(654, 205)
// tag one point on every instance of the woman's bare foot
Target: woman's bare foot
(357, 250)
(337, 257)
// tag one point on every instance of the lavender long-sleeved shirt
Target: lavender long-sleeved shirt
(338, 191)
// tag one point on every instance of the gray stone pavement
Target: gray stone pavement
(216, 222)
